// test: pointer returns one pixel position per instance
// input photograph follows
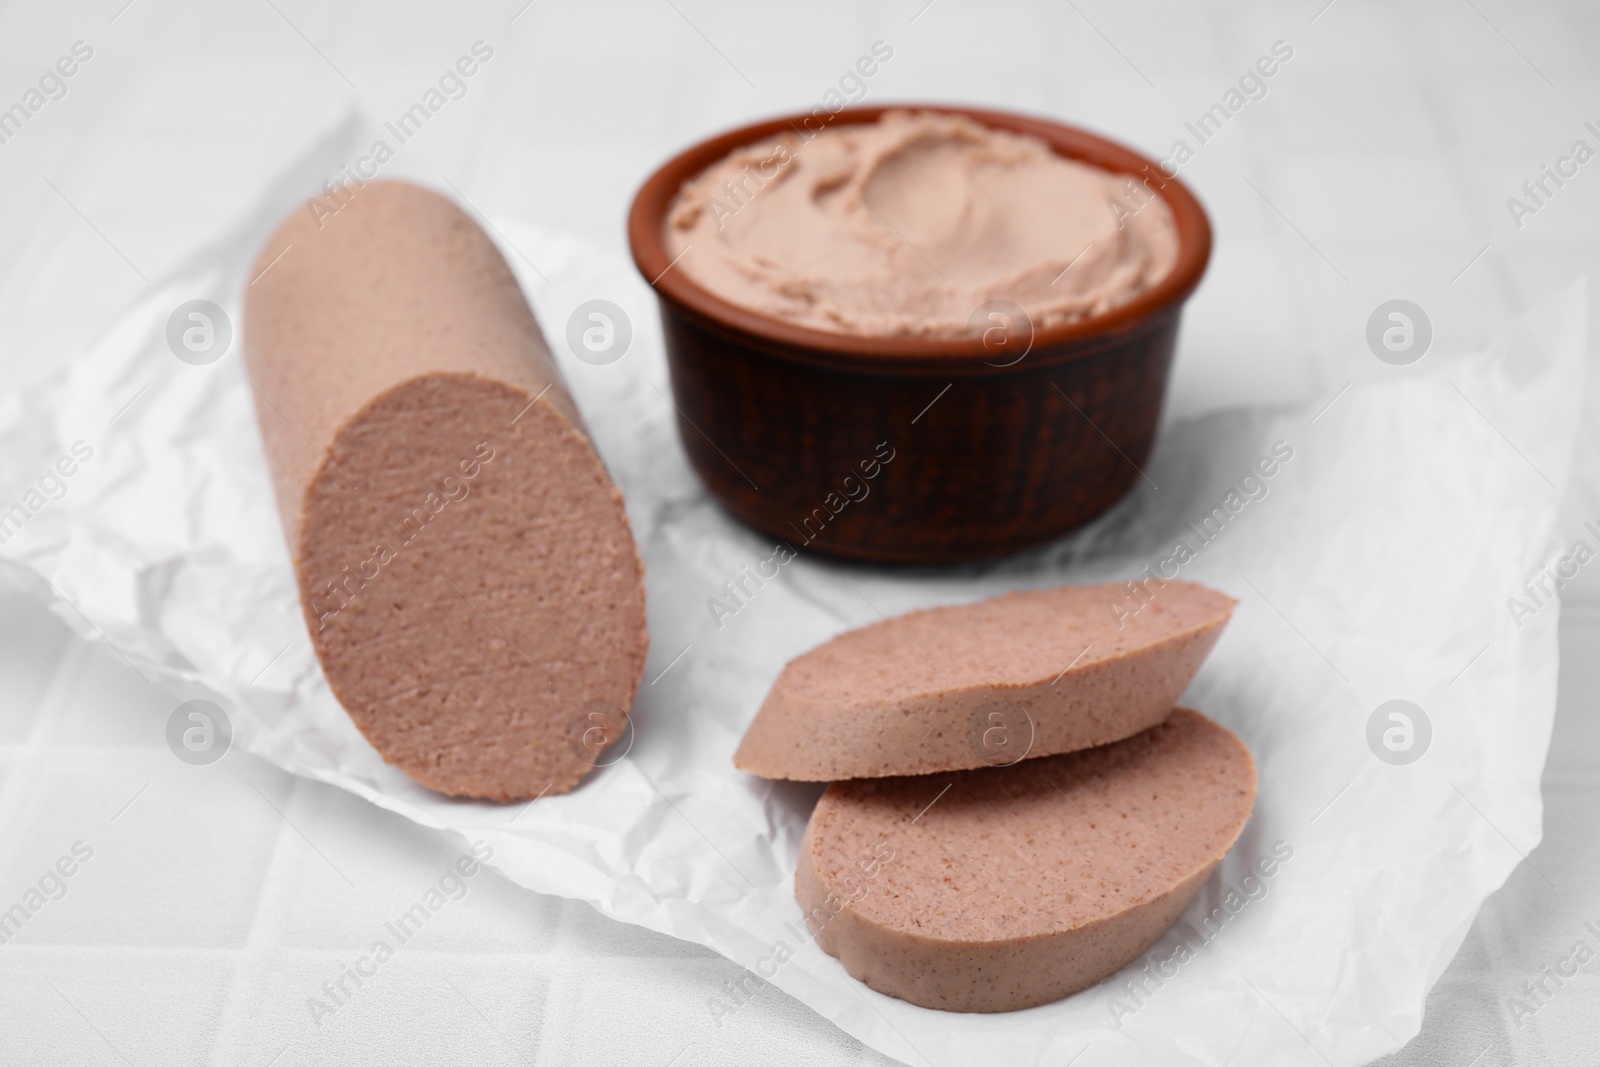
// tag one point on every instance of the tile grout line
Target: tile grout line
(237, 1008)
(19, 785)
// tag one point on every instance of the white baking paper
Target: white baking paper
(1376, 563)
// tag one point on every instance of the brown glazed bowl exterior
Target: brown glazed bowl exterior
(916, 450)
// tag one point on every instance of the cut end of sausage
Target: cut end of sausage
(1022, 675)
(472, 588)
(1004, 888)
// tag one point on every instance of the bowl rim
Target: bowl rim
(1063, 342)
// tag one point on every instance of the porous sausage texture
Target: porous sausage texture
(1025, 674)
(1020, 885)
(464, 562)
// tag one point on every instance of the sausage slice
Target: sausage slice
(986, 684)
(1016, 886)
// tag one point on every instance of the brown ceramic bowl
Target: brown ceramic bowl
(828, 441)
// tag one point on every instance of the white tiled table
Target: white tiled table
(217, 900)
